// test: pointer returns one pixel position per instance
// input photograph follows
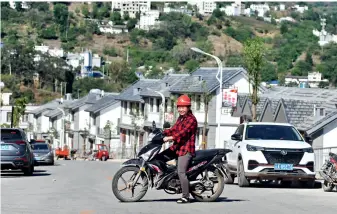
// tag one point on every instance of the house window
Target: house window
(143, 109)
(125, 106)
(25, 118)
(158, 104)
(321, 111)
(197, 102)
(9, 116)
(151, 104)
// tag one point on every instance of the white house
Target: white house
(144, 95)
(148, 20)
(204, 7)
(25, 120)
(105, 112)
(131, 7)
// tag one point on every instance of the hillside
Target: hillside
(291, 47)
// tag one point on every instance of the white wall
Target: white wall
(330, 135)
(112, 114)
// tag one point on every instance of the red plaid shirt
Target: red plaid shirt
(183, 133)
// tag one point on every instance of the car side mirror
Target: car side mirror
(308, 140)
(237, 137)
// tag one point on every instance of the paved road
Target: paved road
(83, 187)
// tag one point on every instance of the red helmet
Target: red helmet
(184, 100)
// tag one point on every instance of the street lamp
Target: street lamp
(219, 62)
(162, 104)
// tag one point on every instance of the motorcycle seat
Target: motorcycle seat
(202, 154)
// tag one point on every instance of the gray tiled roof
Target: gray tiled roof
(194, 83)
(316, 125)
(104, 102)
(298, 111)
(91, 98)
(48, 106)
(132, 93)
(56, 112)
(163, 86)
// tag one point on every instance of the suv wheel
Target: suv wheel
(242, 180)
(28, 171)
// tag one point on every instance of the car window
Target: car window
(272, 132)
(40, 146)
(10, 134)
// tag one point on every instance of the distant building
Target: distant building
(131, 7)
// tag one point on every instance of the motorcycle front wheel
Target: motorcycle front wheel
(208, 181)
(126, 184)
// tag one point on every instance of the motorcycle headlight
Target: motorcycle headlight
(309, 150)
(254, 148)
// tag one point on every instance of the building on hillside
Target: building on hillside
(235, 9)
(131, 7)
(324, 37)
(149, 20)
(205, 8)
(313, 80)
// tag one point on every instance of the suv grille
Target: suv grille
(276, 157)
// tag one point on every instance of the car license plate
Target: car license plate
(37, 158)
(4, 147)
(283, 166)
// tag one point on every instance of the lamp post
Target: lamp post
(219, 62)
(63, 126)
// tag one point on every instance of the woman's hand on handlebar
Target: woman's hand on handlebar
(170, 138)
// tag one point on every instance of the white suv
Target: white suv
(269, 151)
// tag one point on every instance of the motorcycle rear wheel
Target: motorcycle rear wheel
(327, 187)
(216, 195)
(118, 175)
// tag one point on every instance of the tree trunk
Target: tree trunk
(254, 112)
(204, 141)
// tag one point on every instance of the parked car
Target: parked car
(16, 151)
(270, 151)
(43, 153)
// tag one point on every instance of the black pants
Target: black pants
(183, 162)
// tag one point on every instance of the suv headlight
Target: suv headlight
(309, 150)
(254, 148)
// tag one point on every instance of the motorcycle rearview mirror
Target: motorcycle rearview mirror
(154, 125)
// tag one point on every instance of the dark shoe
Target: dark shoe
(183, 201)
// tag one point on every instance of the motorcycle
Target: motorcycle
(329, 173)
(146, 167)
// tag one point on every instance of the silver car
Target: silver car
(43, 153)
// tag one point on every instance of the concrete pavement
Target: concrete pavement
(84, 187)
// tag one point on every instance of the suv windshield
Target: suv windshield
(40, 146)
(10, 134)
(272, 132)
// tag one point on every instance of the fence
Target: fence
(322, 154)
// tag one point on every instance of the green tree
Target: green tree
(61, 16)
(253, 52)
(19, 110)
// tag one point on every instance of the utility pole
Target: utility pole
(12, 116)
(127, 54)
(65, 87)
(61, 89)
